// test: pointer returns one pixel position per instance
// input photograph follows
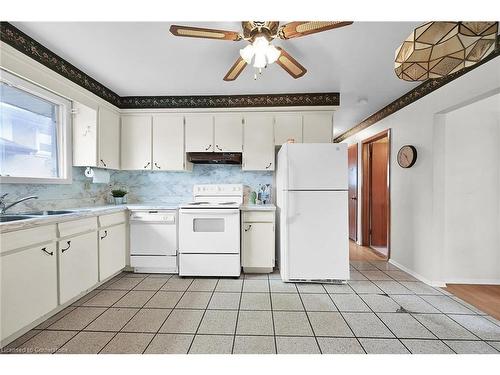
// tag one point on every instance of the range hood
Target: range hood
(214, 157)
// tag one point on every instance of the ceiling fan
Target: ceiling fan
(260, 34)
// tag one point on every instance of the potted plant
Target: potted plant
(119, 195)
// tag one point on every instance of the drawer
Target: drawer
(154, 264)
(112, 219)
(70, 228)
(27, 237)
(261, 216)
(209, 265)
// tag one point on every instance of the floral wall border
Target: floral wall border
(33, 49)
(411, 96)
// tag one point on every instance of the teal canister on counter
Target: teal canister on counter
(253, 197)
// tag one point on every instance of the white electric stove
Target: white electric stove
(209, 231)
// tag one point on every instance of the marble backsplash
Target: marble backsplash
(143, 187)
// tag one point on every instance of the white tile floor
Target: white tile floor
(381, 310)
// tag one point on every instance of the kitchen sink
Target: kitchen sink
(7, 218)
(49, 213)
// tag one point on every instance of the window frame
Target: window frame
(63, 131)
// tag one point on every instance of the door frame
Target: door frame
(355, 145)
(366, 189)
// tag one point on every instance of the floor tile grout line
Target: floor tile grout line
(345, 320)
(168, 315)
(308, 319)
(272, 315)
(203, 315)
(132, 317)
(237, 316)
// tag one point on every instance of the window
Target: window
(33, 133)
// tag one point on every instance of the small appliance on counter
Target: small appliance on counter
(312, 203)
(209, 231)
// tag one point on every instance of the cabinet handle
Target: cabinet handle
(69, 245)
(208, 147)
(147, 165)
(269, 166)
(103, 163)
(157, 166)
(44, 249)
(249, 227)
(105, 235)
(220, 149)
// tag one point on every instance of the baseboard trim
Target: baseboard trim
(434, 283)
(474, 281)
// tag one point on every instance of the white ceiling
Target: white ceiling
(143, 58)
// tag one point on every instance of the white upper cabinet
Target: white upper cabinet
(96, 137)
(318, 127)
(287, 126)
(168, 142)
(136, 142)
(199, 133)
(258, 142)
(109, 139)
(228, 132)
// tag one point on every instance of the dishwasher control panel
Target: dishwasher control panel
(164, 216)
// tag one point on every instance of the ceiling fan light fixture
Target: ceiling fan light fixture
(272, 54)
(260, 60)
(247, 53)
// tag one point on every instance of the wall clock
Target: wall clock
(407, 156)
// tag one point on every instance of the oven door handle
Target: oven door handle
(217, 212)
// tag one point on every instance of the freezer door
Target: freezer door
(316, 245)
(314, 166)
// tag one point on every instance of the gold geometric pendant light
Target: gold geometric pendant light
(437, 49)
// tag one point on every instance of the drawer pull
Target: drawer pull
(69, 245)
(218, 148)
(44, 249)
(157, 166)
(147, 165)
(103, 163)
(208, 147)
(249, 227)
(269, 166)
(105, 235)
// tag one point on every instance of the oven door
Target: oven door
(203, 231)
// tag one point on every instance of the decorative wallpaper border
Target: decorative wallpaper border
(411, 96)
(31, 48)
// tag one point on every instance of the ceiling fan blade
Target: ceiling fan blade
(235, 70)
(302, 28)
(291, 65)
(199, 32)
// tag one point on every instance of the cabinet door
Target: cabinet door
(84, 135)
(287, 126)
(109, 139)
(258, 143)
(318, 127)
(29, 287)
(168, 142)
(199, 133)
(228, 132)
(136, 142)
(111, 251)
(78, 264)
(258, 245)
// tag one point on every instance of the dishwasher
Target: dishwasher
(153, 241)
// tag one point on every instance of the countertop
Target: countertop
(258, 207)
(103, 210)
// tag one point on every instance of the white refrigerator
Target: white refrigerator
(312, 199)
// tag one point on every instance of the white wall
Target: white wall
(417, 214)
(472, 193)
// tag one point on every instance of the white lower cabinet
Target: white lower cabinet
(111, 250)
(258, 241)
(28, 287)
(78, 265)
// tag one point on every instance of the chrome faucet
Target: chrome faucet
(4, 207)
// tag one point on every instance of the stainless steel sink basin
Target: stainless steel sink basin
(7, 218)
(49, 213)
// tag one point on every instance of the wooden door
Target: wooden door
(352, 164)
(200, 133)
(258, 142)
(378, 202)
(168, 143)
(136, 143)
(228, 132)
